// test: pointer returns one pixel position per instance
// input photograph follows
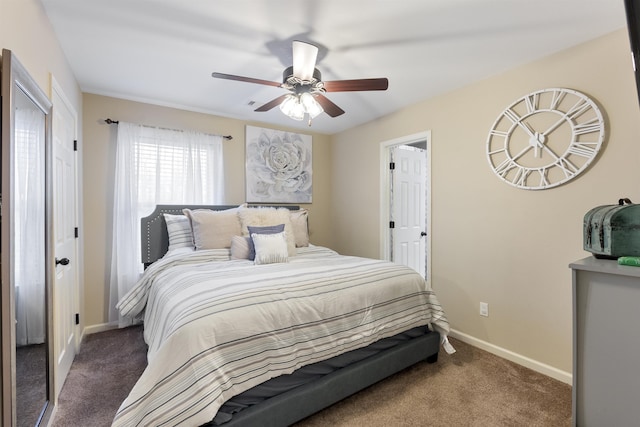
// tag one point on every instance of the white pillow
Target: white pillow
(268, 216)
(300, 226)
(240, 247)
(270, 248)
(179, 230)
(213, 229)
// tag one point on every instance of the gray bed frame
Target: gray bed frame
(301, 402)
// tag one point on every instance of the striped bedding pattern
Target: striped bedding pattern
(217, 327)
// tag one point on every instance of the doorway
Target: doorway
(405, 202)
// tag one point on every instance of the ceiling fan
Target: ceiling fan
(305, 87)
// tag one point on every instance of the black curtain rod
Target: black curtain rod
(115, 122)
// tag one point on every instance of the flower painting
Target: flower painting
(278, 166)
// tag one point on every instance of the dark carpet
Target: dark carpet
(101, 376)
(469, 388)
(31, 383)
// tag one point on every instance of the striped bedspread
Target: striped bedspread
(217, 327)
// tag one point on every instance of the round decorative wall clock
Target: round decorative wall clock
(545, 138)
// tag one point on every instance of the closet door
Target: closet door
(25, 248)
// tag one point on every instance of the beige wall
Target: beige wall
(98, 161)
(26, 31)
(492, 242)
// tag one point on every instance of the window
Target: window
(156, 166)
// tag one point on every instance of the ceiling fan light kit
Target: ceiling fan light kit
(310, 105)
(296, 106)
(306, 88)
(301, 100)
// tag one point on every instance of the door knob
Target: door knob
(423, 234)
(63, 261)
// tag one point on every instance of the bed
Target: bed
(267, 341)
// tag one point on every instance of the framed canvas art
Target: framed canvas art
(278, 166)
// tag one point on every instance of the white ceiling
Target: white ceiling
(164, 51)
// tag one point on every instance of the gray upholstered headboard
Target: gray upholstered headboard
(153, 229)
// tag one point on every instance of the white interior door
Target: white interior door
(408, 207)
(65, 293)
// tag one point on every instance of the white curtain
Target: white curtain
(156, 166)
(29, 226)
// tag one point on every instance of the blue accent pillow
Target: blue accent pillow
(271, 229)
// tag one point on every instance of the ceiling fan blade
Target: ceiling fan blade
(329, 107)
(245, 79)
(273, 103)
(356, 85)
(304, 60)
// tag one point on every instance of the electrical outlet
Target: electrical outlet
(484, 309)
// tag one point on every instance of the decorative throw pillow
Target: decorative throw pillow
(268, 216)
(240, 247)
(179, 230)
(213, 229)
(270, 248)
(300, 226)
(270, 229)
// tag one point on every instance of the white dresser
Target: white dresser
(606, 343)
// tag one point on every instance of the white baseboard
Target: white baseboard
(53, 415)
(540, 367)
(93, 329)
